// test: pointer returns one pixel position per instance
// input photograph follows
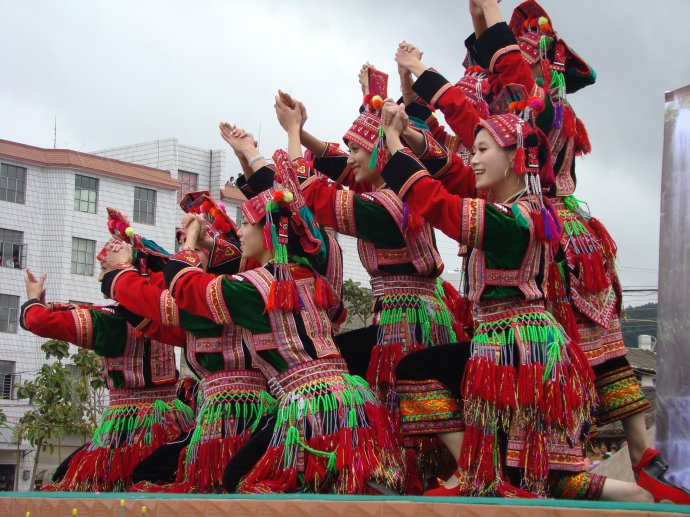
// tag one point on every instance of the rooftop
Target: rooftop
(68, 159)
(641, 360)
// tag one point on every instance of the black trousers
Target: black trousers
(161, 465)
(355, 346)
(444, 363)
(250, 453)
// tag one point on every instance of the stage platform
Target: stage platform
(59, 504)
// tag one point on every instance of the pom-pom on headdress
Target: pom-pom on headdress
(218, 222)
(366, 131)
(147, 254)
(285, 213)
(538, 40)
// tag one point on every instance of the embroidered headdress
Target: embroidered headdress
(285, 214)
(532, 160)
(147, 254)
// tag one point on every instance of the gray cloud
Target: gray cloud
(121, 72)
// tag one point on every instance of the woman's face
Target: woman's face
(251, 240)
(358, 160)
(490, 162)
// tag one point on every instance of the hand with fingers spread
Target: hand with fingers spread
(35, 287)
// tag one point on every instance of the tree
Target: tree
(358, 300)
(61, 402)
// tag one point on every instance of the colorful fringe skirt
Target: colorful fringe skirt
(331, 435)
(231, 404)
(410, 316)
(527, 382)
(136, 423)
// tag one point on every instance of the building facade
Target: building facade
(53, 205)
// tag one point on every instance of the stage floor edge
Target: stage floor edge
(58, 504)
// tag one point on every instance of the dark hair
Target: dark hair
(530, 141)
(294, 247)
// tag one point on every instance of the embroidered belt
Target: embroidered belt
(306, 373)
(235, 380)
(490, 311)
(136, 396)
(402, 284)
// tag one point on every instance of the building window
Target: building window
(12, 183)
(144, 205)
(6, 379)
(12, 253)
(189, 182)
(83, 252)
(85, 194)
(9, 309)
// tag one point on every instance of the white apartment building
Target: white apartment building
(53, 205)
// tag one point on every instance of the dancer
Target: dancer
(527, 391)
(330, 433)
(144, 411)
(232, 395)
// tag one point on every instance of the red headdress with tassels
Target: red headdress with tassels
(146, 252)
(532, 160)
(366, 131)
(285, 210)
(218, 222)
(563, 71)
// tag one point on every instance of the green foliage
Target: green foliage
(61, 400)
(641, 319)
(358, 300)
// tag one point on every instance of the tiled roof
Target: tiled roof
(232, 193)
(68, 159)
(641, 360)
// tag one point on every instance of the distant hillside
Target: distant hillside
(639, 320)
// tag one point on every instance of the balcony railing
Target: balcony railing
(8, 385)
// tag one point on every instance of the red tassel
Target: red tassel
(607, 243)
(271, 298)
(538, 224)
(569, 124)
(582, 145)
(519, 165)
(566, 317)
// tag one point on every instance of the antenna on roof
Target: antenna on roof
(55, 133)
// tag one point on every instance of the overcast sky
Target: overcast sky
(120, 72)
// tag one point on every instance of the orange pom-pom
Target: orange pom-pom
(377, 102)
(511, 106)
(214, 212)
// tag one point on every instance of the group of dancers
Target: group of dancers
(504, 381)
